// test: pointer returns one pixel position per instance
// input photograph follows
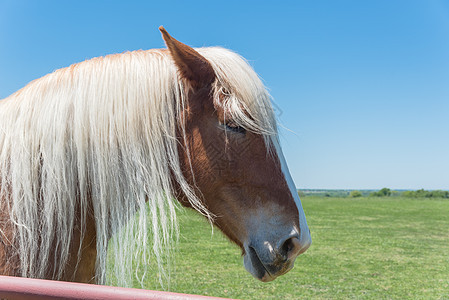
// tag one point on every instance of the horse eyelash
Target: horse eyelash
(232, 126)
(235, 128)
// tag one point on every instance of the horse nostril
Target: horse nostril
(291, 247)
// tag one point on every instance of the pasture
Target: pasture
(370, 248)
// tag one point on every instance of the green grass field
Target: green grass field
(370, 248)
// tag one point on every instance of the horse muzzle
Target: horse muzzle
(266, 260)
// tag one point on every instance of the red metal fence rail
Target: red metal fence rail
(12, 288)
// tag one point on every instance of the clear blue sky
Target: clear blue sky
(363, 84)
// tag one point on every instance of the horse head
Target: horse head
(231, 154)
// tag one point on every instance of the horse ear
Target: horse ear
(191, 65)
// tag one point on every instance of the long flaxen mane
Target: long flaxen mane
(100, 137)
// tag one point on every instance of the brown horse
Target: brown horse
(100, 152)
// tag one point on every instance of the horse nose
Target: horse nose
(267, 260)
(292, 247)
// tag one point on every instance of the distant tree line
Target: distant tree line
(385, 192)
(426, 194)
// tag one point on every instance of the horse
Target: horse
(107, 150)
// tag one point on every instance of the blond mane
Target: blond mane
(105, 130)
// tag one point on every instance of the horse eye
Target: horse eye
(235, 128)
